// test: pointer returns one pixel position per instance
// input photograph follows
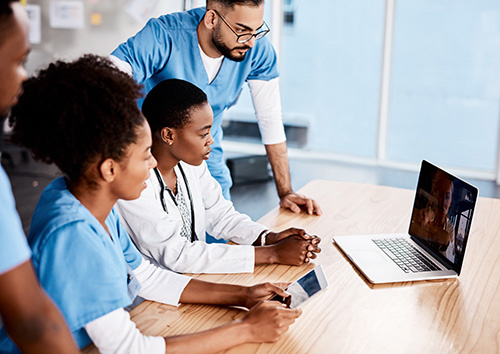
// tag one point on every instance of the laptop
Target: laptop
(434, 247)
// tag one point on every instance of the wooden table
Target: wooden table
(353, 316)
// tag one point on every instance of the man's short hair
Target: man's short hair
(228, 4)
(6, 17)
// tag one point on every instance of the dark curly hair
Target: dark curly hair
(75, 113)
(6, 17)
(170, 103)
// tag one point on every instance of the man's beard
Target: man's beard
(224, 49)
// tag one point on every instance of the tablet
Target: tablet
(303, 289)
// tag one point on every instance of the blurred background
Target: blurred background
(369, 88)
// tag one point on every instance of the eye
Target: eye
(204, 135)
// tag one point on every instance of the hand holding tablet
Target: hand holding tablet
(303, 289)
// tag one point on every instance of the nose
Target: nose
(23, 74)
(153, 162)
(251, 42)
(210, 140)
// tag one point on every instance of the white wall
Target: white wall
(115, 28)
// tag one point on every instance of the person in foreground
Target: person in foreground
(183, 201)
(83, 116)
(29, 317)
(218, 48)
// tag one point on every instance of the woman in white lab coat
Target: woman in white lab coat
(183, 201)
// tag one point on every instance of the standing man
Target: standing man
(218, 48)
(29, 317)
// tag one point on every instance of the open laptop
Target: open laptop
(434, 247)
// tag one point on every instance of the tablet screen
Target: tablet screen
(301, 290)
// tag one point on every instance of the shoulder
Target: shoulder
(263, 61)
(186, 20)
(60, 220)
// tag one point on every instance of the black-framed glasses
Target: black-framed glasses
(245, 37)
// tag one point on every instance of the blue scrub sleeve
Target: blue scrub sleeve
(147, 51)
(82, 274)
(265, 61)
(217, 166)
(132, 255)
(14, 249)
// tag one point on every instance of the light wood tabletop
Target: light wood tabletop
(352, 316)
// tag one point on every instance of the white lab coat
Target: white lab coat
(156, 233)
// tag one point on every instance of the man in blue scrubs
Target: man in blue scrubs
(28, 315)
(219, 48)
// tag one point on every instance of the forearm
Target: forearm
(265, 255)
(277, 155)
(47, 333)
(30, 317)
(211, 341)
(201, 292)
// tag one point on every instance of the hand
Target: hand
(294, 202)
(274, 237)
(265, 291)
(294, 251)
(269, 320)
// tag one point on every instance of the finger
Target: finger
(314, 256)
(281, 285)
(289, 313)
(316, 239)
(294, 231)
(275, 289)
(310, 206)
(317, 209)
(294, 207)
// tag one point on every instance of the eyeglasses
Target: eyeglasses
(245, 37)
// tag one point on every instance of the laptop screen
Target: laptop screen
(442, 214)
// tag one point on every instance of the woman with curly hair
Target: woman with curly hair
(83, 116)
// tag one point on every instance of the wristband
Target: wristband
(263, 236)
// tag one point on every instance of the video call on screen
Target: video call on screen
(442, 212)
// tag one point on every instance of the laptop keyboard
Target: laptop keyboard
(405, 255)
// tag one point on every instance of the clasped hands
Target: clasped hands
(294, 246)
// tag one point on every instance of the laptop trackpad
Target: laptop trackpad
(368, 256)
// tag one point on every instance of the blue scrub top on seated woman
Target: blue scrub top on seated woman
(80, 266)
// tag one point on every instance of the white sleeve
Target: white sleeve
(157, 235)
(122, 65)
(222, 220)
(267, 104)
(160, 284)
(115, 333)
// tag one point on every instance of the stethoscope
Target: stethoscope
(164, 204)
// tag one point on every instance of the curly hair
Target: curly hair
(75, 113)
(170, 103)
(6, 17)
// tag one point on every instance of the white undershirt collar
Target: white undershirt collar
(212, 65)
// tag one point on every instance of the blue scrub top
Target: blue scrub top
(79, 265)
(167, 47)
(14, 249)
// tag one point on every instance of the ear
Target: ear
(108, 169)
(210, 19)
(167, 135)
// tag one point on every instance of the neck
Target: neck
(205, 41)
(98, 201)
(166, 161)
